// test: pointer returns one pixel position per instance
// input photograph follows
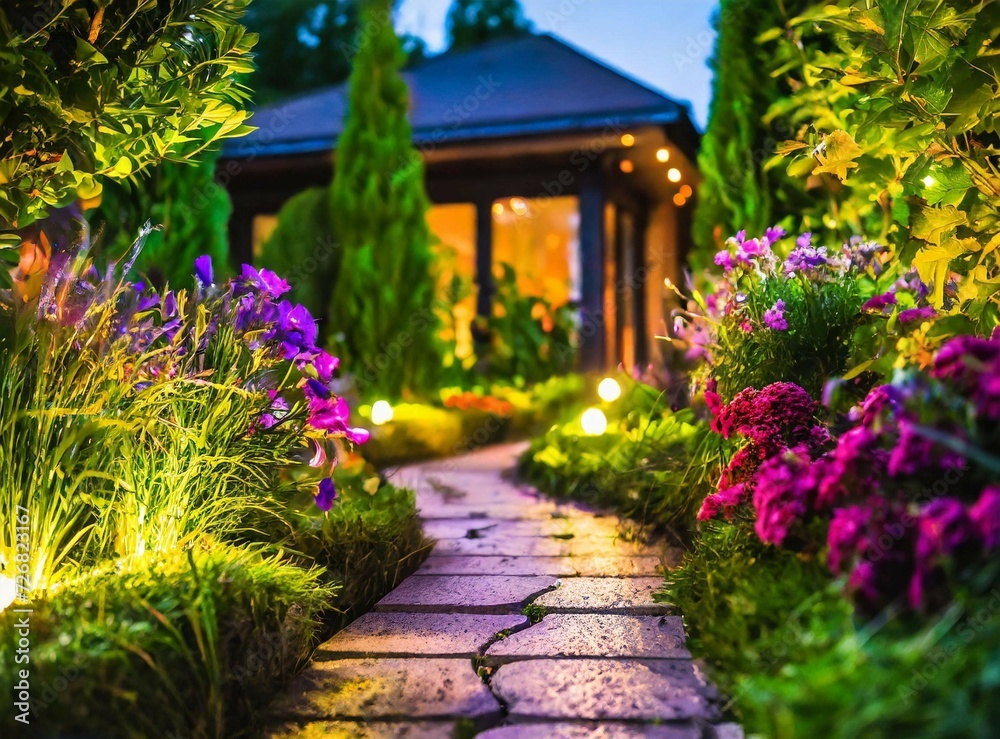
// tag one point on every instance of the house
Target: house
(536, 155)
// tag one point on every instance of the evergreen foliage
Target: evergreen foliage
(737, 192)
(191, 208)
(473, 22)
(381, 315)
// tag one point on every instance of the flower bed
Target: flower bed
(841, 456)
(169, 492)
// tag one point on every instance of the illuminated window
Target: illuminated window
(453, 227)
(539, 238)
(262, 228)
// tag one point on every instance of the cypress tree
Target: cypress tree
(381, 315)
(736, 191)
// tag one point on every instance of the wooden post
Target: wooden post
(592, 246)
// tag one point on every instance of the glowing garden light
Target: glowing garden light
(381, 412)
(8, 591)
(663, 155)
(594, 422)
(674, 174)
(628, 139)
(609, 389)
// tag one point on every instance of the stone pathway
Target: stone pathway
(530, 619)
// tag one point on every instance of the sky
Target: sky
(662, 43)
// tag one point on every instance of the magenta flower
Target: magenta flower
(879, 303)
(774, 317)
(985, 515)
(846, 537)
(725, 260)
(913, 315)
(782, 494)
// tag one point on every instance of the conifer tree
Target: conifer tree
(737, 192)
(381, 313)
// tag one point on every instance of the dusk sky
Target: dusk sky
(663, 43)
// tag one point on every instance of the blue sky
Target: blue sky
(663, 43)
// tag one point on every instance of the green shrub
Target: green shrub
(181, 198)
(895, 113)
(303, 250)
(106, 91)
(649, 464)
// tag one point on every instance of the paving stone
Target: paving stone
(362, 730)
(615, 566)
(632, 595)
(381, 688)
(426, 634)
(596, 689)
(458, 565)
(594, 730)
(595, 635)
(511, 546)
(465, 594)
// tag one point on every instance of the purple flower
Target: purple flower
(326, 493)
(296, 329)
(264, 281)
(774, 234)
(804, 240)
(985, 515)
(774, 317)
(879, 303)
(203, 270)
(911, 315)
(805, 259)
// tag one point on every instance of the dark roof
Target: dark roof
(521, 86)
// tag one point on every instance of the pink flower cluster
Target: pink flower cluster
(903, 489)
(778, 418)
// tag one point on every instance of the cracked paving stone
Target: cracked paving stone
(595, 635)
(458, 565)
(598, 689)
(465, 594)
(630, 595)
(427, 634)
(464, 528)
(382, 688)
